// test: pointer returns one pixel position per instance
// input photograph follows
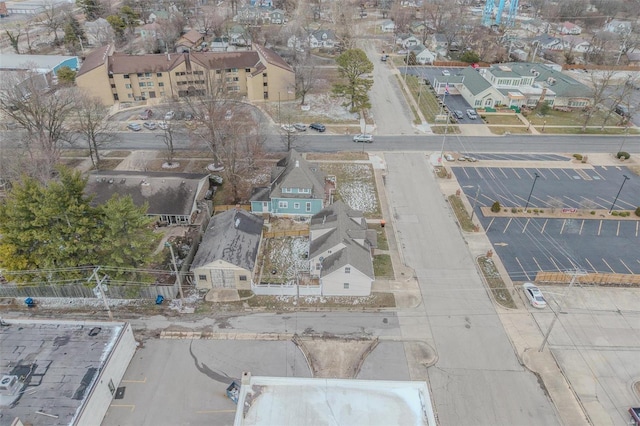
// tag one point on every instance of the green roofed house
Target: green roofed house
(297, 188)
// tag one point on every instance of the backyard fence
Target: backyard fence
(601, 279)
(129, 291)
(292, 233)
(224, 207)
(286, 290)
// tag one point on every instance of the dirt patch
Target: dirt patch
(293, 303)
(335, 358)
(497, 287)
(286, 224)
(116, 154)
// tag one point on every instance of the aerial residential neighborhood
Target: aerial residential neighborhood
(263, 212)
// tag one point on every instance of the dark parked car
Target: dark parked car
(146, 114)
(459, 115)
(317, 126)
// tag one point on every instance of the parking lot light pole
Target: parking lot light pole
(531, 192)
(626, 178)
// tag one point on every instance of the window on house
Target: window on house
(296, 206)
(234, 69)
(236, 79)
(142, 84)
(218, 71)
(112, 387)
(243, 277)
(158, 74)
(308, 207)
(304, 190)
(139, 74)
(126, 76)
(202, 277)
(283, 204)
(129, 95)
(147, 74)
(227, 70)
(113, 86)
(161, 84)
(347, 269)
(247, 70)
(264, 74)
(150, 84)
(127, 86)
(265, 84)
(346, 286)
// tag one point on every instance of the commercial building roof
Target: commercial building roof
(294, 401)
(49, 368)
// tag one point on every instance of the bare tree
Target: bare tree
(91, 122)
(239, 150)
(600, 84)
(53, 17)
(342, 13)
(212, 102)
(306, 76)
(14, 39)
(41, 114)
(167, 138)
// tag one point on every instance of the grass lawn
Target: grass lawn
(587, 131)
(383, 244)
(461, 213)
(428, 102)
(115, 154)
(336, 156)
(356, 186)
(510, 119)
(572, 118)
(500, 130)
(439, 129)
(291, 303)
(382, 267)
(500, 292)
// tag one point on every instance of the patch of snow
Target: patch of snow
(329, 106)
(288, 256)
(359, 192)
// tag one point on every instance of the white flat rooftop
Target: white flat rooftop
(295, 401)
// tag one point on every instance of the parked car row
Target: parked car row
(149, 125)
(301, 127)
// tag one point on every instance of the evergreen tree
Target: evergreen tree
(352, 65)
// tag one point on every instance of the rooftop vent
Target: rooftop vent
(7, 382)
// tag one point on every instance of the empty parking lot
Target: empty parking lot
(526, 245)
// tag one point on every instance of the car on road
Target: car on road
(288, 128)
(363, 138)
(134, 126)
(471, 113)
(151, 125)
(317, 126)
(169, 116)
(458, 114)
(163, 125)
(446, 73)
(449, 157)
(300, 127)
(146, 114)
(534, 295)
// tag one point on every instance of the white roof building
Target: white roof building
(265, 401)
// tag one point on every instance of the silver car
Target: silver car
(534, 295)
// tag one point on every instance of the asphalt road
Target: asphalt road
(477, 378)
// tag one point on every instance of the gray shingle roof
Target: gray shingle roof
(166, 193)
(563, 86)
(293, 171)
(232, 236)
(346, 226)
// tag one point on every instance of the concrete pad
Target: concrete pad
(222, 295)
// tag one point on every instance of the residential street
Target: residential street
(477, 378)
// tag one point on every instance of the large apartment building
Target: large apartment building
(259, 74)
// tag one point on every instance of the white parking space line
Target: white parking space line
(592, 267)
(618, 230)
(503, 173)
(602, 206)
(567, 173)
(554, 263)
(554, 174)
(490, 223)
(525, 225)
(608, 266)
(537, 264)
(564, 221)
(516, 173)
(480, 177)
(581, 226)
(464, 169)
(507, 227)
(528, 173)
(596, 172)
(600, 228)
(542, 175)
(625, 265)
(525, 272)
(544, 226)
(637, 223)
(621, 202)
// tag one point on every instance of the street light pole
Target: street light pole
(531, 192)
(626, 178)
(475, 200)
(175, 268)
(574, 278)
(444, 138)
(624, 139)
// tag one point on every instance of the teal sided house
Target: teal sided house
(297, 188)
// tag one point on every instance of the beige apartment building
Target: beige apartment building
(259, 74)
